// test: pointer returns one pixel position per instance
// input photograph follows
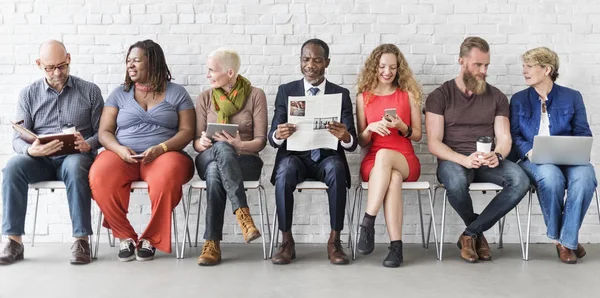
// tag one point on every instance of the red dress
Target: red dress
(374, 110)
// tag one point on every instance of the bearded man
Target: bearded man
(458, 113)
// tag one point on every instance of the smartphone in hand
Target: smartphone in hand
(137, 156)
(390, 114)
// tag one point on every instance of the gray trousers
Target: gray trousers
(224, 172)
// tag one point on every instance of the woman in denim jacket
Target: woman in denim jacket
(546, 108)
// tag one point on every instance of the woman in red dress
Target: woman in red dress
(386, 82)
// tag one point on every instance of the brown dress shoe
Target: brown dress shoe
(483, 248)
(467, 248)
(80, 252)
(211, 253)
(12, 252)
(335, 252)
(246, 223)
(580, 252)
(565, 255)
(286, 253)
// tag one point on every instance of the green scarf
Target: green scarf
(227, 105)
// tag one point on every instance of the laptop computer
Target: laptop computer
(561, 150)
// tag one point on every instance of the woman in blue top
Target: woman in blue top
(145, 125)
(546, 108)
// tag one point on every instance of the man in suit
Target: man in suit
(326, 165)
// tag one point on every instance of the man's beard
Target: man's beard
(473, 84)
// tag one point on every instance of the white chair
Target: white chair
(138, 185)
(529, 203)
(416, 186)
(262, 198)
(309, 185)
(483, 187)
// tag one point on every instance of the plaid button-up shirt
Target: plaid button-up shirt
(45, 110)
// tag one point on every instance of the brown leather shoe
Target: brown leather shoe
(467, 248)
(211, 253)
(580, 252)
(12, 252)
(335, 252)
(80, 252)
(565, 255)
(286, 253)
(483, 248)
(246, 223)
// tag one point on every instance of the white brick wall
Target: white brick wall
(268, 35)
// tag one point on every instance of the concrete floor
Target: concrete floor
(45, 272)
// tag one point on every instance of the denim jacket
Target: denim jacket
(566, 113)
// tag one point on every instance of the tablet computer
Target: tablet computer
(212, 128)
(561, 150)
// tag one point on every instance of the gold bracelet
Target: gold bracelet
(164, 146)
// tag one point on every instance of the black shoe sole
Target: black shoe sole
(391, 265)
(366, 252)
(209, 264)
(80, 262)
(18, 258)
(253, 238)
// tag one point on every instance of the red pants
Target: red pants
(110, 181)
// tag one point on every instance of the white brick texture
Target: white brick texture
(268, 35)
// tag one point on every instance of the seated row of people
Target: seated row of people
(146, 123)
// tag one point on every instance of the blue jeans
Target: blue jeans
(225, 172)
(457, 179)
(563, 218)
(22, 170)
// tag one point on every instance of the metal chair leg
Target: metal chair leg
(443, 223)
(501, 231)
(349, 216)
(520, 232)
(352, 218)
(528, 225)
(261, 189)
(421, 218)
(432, 222)
(198, 219)
(274, 233)
(175, 230)
(262, 224)
(358, 207)
(186, 214)
(37, 201)
(98, 230)
(185, 211)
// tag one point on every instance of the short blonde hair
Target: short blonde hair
(544, 57)
(228, 59)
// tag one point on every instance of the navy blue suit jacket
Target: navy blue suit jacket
(296, 88)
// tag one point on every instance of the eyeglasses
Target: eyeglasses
(51, 68)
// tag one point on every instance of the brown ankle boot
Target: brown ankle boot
(467, 248)
(211, 253)
(246, 223)
(566, 255)
(335, 251)
(483, 248)
(580, 252)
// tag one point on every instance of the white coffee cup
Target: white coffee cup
(484, 144)
(68, 129)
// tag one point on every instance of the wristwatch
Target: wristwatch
(500, 158)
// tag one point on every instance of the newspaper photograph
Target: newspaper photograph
(311, 114)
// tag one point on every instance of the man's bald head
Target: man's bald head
(51, 50)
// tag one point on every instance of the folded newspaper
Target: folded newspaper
(311, 114)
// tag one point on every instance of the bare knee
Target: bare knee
(396, 178)
(383, 156)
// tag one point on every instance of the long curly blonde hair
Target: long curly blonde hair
(405, 81)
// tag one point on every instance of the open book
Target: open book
(29, 137)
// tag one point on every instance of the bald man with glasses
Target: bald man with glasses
(45, 107)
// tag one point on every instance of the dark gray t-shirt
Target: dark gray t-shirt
(139, 129)
(466, 118)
